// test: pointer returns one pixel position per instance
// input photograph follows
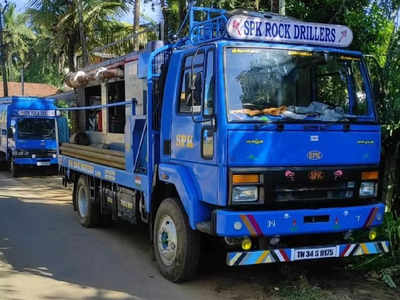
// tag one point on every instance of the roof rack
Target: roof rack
(211, 28)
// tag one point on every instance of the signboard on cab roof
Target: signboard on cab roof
(288, 31)
(37, 113)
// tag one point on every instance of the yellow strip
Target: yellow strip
(262, 257)
(365, 249)
(248, 225)
(300, 53)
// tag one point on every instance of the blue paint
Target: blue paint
(350, 218)
(30, 148)
(171, 151)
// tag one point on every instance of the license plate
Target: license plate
(43, 163)
(314, 253)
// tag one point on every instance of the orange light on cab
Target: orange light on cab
(245, 178)
(370, 175)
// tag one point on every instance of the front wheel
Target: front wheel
(176, 245)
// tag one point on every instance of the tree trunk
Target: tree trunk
(85, 54)
(136, 24)
(71, 52)
(165, 20)
(2, 53)
(278, 6)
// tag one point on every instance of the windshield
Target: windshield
(277, 84)
(36, 129)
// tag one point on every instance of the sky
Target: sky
(146, 11)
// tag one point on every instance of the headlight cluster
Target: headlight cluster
(246, 189)
(21, 153)
(368, 189)
(245, 194)
(369, 184)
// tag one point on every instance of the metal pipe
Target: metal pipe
(105, 157)
(93, 149)
(95, 160)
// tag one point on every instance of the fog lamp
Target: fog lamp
(372, 235)
(246, 244)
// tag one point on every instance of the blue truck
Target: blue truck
(256, 129)
(28, 132)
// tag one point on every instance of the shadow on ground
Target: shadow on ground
(40, 235)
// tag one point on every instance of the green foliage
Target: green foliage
(61, 21)
(384, 267)
(17, 39)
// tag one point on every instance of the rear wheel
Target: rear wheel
(176, 245)
(88, 211)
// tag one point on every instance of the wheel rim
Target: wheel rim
(167, 240)
(82, 202)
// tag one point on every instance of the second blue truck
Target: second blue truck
(28, 132)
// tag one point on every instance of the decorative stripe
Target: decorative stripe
(385, 246)
(274, 256)
(281, 255)
(255, 224)
(284, 255)
(350, 250)
(234, 259)
(239, 260)
(345, 250)
(246, 222)
(262, 257)
(371, 217)
(364, 248)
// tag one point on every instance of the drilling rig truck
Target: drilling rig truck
(256, 129)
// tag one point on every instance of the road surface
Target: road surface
(46, 254)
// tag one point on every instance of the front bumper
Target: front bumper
(27, 161)
(227, 223)
(243, 258)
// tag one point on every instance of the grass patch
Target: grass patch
(302, 290)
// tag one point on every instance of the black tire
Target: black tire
(184, 266)
(90, 216)
(14, 169)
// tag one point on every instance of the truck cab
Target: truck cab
(279, 140)
(29, 133)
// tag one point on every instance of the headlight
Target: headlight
(54, 155)
(368, 189)
(22, 153)
(244, 194)
(33, 155)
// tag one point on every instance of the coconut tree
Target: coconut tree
(62, 19)
(17, 39)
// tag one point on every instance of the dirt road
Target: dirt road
(46, 254)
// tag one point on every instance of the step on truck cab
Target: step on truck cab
(257, 129)
(28, 132)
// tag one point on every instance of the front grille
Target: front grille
(40, 153)
(306, 187)
(313, 192)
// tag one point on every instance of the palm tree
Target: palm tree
(17, 39)
(62, 19)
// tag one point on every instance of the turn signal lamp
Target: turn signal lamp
(246, 244)
(372, 235)
(245, 178)
(370, 175)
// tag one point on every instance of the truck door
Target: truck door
(193, 137)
